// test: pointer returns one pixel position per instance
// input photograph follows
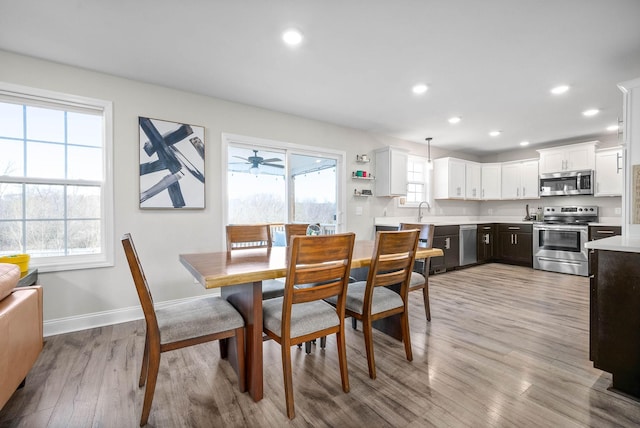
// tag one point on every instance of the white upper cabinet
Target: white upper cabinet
(449, 180)
(520, 180)
(574, 157)
(473, 180)
(391, 171)
(609, 172)
(491, 179)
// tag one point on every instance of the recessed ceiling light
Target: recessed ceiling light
(495, 133)
(524, 143)
(591, 112)
(612, 128)
(292, 37)
(419, 88)
(455, 119)
(560, 89)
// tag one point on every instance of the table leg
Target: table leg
(247, 298)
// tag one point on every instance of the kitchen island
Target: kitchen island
(615, 311)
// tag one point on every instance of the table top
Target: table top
(219, 269)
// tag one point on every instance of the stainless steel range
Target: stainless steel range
(558, 241)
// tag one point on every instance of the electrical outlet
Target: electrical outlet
(490, 211)
(618, 211)
(358, 210)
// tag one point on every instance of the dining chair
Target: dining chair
(180, 325)
(391, 264)
(291, 229)
(301, 314)
(420, 275)
(248, 236)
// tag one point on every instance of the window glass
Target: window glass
(54, 203)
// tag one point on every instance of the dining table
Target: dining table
(239, 275)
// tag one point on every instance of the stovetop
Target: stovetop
(578, 215)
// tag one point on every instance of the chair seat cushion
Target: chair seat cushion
(305, 317)
(272, 288)
(197, 318)
(417, 279)
(383, 298)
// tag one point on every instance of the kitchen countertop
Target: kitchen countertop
(627, 244)
(461, 220)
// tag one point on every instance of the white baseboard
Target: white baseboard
(101, 319)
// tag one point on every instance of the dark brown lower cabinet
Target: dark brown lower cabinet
(615, 318)
(515, 244)
(447, 238)
(485, 242)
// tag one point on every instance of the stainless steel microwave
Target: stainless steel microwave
(567, 183)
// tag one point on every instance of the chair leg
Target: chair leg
(367, 329)
(288, 379)
(242, 378)
(152, 377)
(145, 362)
(307, 347)
(406, 334)
(342, 356)
(323, 342)
(354, 323)
(425, 297)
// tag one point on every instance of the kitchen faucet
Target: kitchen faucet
(420, 209)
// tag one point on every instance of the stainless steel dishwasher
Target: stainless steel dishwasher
(468, 248)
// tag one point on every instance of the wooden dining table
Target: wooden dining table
(239, 275)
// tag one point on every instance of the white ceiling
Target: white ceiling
(491, 62)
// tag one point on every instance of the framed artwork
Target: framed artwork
(171, 164)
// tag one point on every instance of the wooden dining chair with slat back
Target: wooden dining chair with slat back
(180, 325)
(391, 264)
(420, 275)
(301, 314)
(251, 236)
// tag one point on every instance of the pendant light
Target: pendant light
(429, 162)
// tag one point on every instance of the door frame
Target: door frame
(289, 148)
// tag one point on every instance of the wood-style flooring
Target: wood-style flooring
(507, 347)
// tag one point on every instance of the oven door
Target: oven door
(560, 242)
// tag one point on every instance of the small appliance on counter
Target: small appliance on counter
(558, 241)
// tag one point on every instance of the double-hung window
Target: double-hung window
(417, 182)
(56, 195)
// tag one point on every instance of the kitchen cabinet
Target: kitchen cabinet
(447, 238)
(573, 157)
(609, 172)
(519, 180)
(631, 141)
(449, 178)
(485, 242)
(615, 319)
(491, 179)
(473, 180)
(515, 244)
(391, 171)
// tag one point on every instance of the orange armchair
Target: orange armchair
(21, 336)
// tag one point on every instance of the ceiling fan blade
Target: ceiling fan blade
(273, 164)
(271, 160)
(240, 157)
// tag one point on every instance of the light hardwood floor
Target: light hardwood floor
(507, 347)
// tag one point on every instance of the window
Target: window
(275, 182)
(417, 182)
(56, 201)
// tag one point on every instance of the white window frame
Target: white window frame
(402, 201)
(40, 97)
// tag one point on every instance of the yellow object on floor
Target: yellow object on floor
(22, 260)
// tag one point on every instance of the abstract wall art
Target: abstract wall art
(171, 164)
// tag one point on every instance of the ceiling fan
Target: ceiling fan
(255, 161)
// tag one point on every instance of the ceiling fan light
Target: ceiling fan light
(254, 170)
